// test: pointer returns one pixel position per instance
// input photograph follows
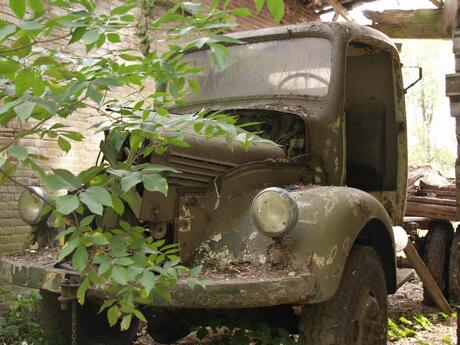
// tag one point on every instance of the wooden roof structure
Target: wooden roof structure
(417, 23)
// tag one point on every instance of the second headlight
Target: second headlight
(274, 212)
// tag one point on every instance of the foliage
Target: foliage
(431, 139)
(245, 332)
(410, 326)
(20, 325)
(42, 87)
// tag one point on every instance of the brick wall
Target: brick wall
(295, 13)
(14, 232)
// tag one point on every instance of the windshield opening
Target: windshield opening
(299, 66)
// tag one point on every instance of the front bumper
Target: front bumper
(223, 292)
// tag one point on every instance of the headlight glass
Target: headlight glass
(274, 212)
(31, 205)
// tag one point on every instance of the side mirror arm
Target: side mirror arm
(420, 76)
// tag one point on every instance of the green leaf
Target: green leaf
(120, 275)
(241, 12)
(147, 281)
(155, 183)
(18, 151)
(118, 205)
(97, 238)
(8, 67)
(9, 170)
(113, 314)
(62, 179)
(24, 110)
(259, 4)
(219, 55)
(126, 322)
(22, 47)
(123, 9)
(113, 38)
(80, 258)
(194, 85)
(130, 180)
(7, 31)
(77, 34)
(276, 8)
(30, 25)
(18, 7)
(24, 81)
(91, 202)
(66, 204)
(139, 315)
(64, 144)
(123, 262)
(104, 267)
(192, 6)
(69, 247)
(101, 194)
(37, 7)
(94, 94)
(90, 37)
(81, 292)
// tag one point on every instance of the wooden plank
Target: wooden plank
(431, 200)
(427, 278)
(422, 23)
(437, 3)
(338, 8)
(432, 211)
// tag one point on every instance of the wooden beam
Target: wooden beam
(424, 23)
(437, 3)
(427, 279)
(338, 8)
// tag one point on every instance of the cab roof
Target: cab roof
(313, 28)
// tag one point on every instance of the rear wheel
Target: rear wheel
(454, 267)
(357, 314)
(436, 256)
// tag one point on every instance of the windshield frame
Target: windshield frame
(277, 37)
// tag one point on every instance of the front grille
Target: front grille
(194, 171)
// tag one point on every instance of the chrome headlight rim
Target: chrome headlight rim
(293, 208)
(32, 197)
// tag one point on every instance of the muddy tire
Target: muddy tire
(357, 314)
(166, 326)
(436, 256)
(454, 269)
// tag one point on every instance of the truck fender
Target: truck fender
(331, 220)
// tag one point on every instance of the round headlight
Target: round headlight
(274, 212)
(31, 205)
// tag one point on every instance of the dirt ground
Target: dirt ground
(406, 303)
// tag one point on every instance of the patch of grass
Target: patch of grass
(19, 325)
(410, 326)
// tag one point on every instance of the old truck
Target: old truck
(308, 223)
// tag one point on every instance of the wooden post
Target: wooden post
(458, 325)
(427, 279)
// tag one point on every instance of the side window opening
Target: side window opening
(370, 119)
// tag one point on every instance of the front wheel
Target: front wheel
(357, 314)
(94, 329)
